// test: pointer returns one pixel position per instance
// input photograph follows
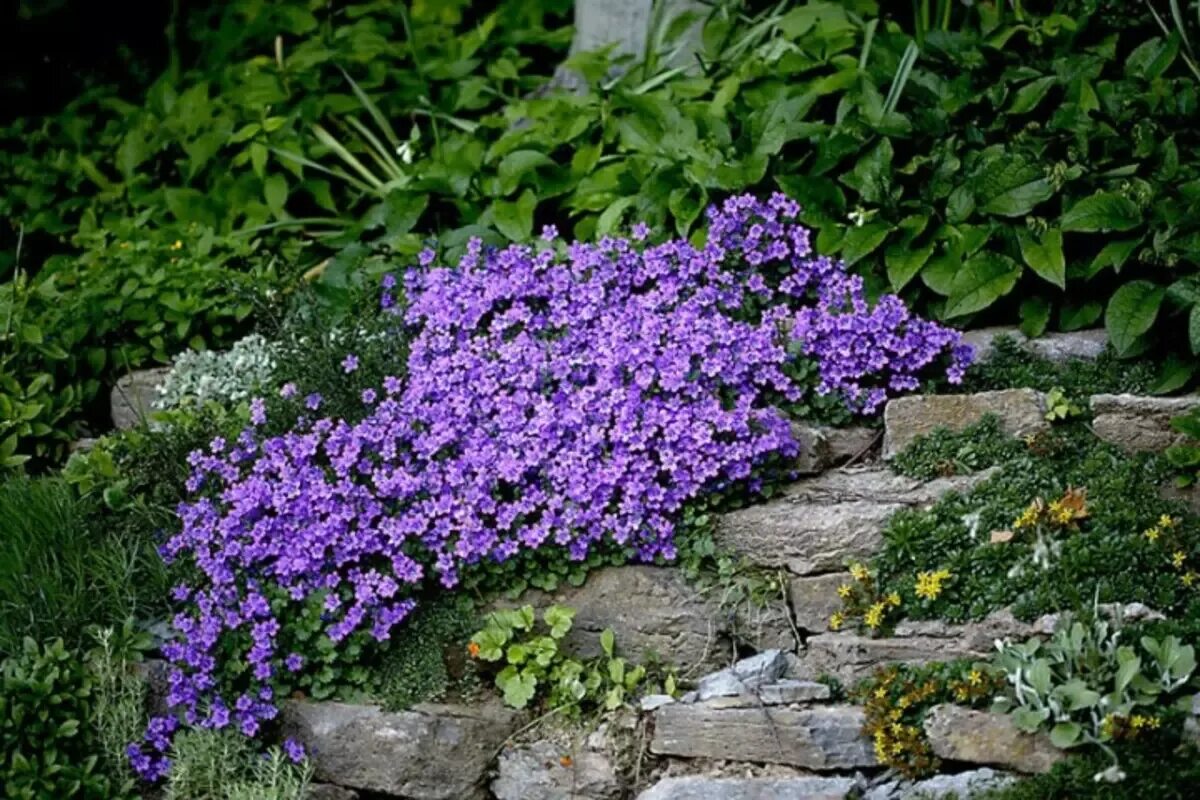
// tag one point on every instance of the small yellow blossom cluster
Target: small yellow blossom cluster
(861, 600)
(1167, 533)
(1065, 513)
(895, 699)
(1115, 727)
(929, 584)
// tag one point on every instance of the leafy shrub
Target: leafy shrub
(119, 711)
(62, 569)
(227, 377)
(496, 398)
(221, 765)
(46, 742)
(1086, 687)
(531, 663)
(943, 452)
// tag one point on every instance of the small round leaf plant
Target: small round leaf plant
(556, 396)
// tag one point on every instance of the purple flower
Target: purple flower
(350, 363)
(294, 662)
(369, 397)
(640, 231)
(312, 402)
(258, 412)
(549, 233)
(287, 391)
(389, 281)
(294, 750)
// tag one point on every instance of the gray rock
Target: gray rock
(327, 791)
(851, 657)
(744, 677)
(815, 599)
(1020, 411)
(818, 738)
(1191, 725)
(1057, 347)
(133, 397)
(816, 525)
(823, 447)
(980, 737)
(655, 611)
(538, 772)
(700, 787)
(654, 701)
(433, 752)
(961, 785)
(1139, 424)
(790, 691)
(155, 672)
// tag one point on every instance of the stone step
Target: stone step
(1055, 347)
(981, 737)
(433, 752)
(133, 395)
(821, 738)
(816, 525)
(1139, 424)
(701, 787)
(1020, 411)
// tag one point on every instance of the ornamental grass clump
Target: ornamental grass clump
(556, 396)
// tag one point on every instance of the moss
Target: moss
(425, 659)
(1009, 365)
(945, 452)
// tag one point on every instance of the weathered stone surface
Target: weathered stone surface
(155, 672)
(653, 610)
(133, 397)
(1191, 725)
(1057, 347)
(980, 737)
(1020, 411)
(433, 752)
(327, 791)
(540, 772)
(818, 738)
(700, 787)
(1136, 423)
(815, 599)
(958, 786)
(654, 701)
(790, 691)
(823, 447)
(851, 657)
(817, 524)
(744, 677)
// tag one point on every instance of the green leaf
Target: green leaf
(1076, 316)
(960, 205)
(1026, 98)
(514, 166)
(1131, 312)
(1010, 186)
(1046, 257)
(1114, 254)
(1103, 211)
(1194, 329)
(1151, 58)
(1065, 734)
(872, 174)
(983, 279)
(904, 261)
(518, 687)
(607, 641)
(560, 619)
(1035, 316)
(514, 219)
(275, 191)
(860, 241)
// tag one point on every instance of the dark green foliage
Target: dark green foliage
(63, 567)
(1157, 767)
(944, 453)
(46, 741)
(1009, 365)
(1109, 557)
(427, 656)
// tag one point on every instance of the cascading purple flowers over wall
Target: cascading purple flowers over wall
(555, 396)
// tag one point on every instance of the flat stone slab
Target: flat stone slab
(981, 737)
(133, 395)
(541, 771)
(823, 447)
(1020, 411)
(816, 525)
(433, 752)
(956, 786)
(655, 611)
(819, 738)
(1136, 423)
(815, 599)
(1056, 347)
(700, 787)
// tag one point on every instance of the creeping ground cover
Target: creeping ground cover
(556, 396)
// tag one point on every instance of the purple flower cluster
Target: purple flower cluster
(556, 395)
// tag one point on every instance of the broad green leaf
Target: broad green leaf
(275, 191)
(1173, 375)
(1076, 316)
(960, 205)
(1065, 734)
(1046, 257)
(1114, 254)
(514, 166)
(860, 241)
(1151, 58)
(1026, 98)
(514, 218)
(1103, 211)
(904, 261)
(607, 641)
(872, 174)
(1010, 186)
(1035, 316)
(984, 279)
(1131, 312)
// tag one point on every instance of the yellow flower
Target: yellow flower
(1167, 521)
(929, 584)
(178, 245)
(893, 599)
(1060, 514)
(1141, 722)
(859, 572)
(1108, 726)
(975, 677)
(1152, 534)
(1188, 579)
(845, 590)
(1177, 558)
(874, 616)
(836, 621)
(881, 693)
(1029, 517)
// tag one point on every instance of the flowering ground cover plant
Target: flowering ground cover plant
(555, 396)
